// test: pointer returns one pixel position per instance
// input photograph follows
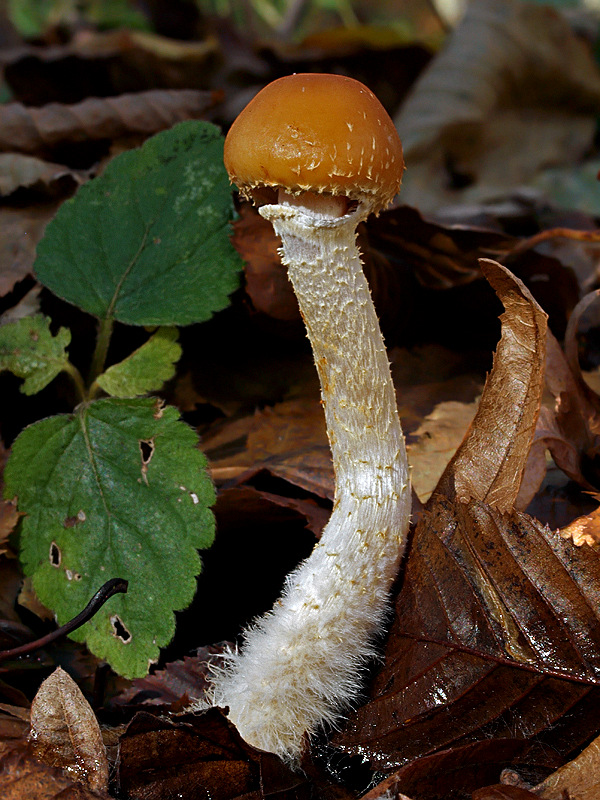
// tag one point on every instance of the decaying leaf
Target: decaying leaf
(289, 440)
(515, 90)
(20, 171)
(570, 429)
(267, 282)
(203, 753)
(456, 772)
(20, 231)
(490, 463)
(38, 130)
(179, 684)
(23, 776)
(584, 529)
(386, 790)
(501, 792)
(497, 617)
(437, 439)
(65, 732)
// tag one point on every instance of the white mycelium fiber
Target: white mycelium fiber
(301, 665)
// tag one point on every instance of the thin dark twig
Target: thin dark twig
(113, 586)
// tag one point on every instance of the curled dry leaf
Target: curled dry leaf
(497, 616)
(584, 529)
(572, 356)
(513, 91)
(18, 171)
(490, 463)
(38, 130)
(577, 780)
(65, 732)
(571, 428)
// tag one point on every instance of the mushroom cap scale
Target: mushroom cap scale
(316, 133)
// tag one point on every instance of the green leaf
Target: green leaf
(118, 489)
(34, 17)
(146, 369)
(115, 14)
(147, 243)
(28, 350)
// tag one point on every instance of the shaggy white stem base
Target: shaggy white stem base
(301, 664)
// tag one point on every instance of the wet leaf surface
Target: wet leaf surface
(204, 754)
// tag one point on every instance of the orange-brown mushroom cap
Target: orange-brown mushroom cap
(318, 133)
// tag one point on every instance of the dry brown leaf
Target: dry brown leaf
(200, 756)
(489, 464)
(386, 790)
(513, 91)
(23, 777)
(65, 732)
(14, 722)
(179, 684)
(585, 529)
(37, 130)
(9, 516)
(288, 439)
(437, 439)
(20, 171)
(20, 231)
(572, 356)
(570, 429)
(502, 792)
(267, 283)
(577, 780)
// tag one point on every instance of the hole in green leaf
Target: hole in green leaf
(55, 555)
(120, 631)
(146, 450)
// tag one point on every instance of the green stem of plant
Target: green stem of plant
(77, 379)
(105, 330)
(94, 389)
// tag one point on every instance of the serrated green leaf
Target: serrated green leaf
(146, 369)
(29, 351)
(147, 243)
(118, 489)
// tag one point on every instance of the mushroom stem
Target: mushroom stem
(302, 663)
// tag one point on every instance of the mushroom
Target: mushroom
(325, 153)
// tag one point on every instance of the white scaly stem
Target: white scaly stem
(301, 664)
